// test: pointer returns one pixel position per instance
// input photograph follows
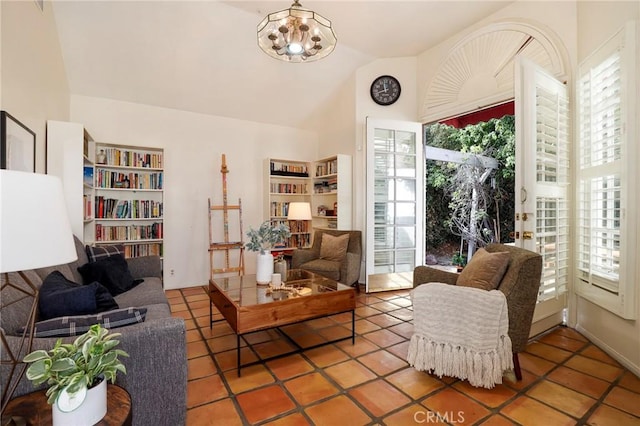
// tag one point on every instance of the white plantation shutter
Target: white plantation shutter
(605, 237)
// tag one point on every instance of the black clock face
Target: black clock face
(385, 90)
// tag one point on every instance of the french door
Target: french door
(395, 200)
(542, 179)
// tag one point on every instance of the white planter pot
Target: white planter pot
(264, 268)
(90, 412)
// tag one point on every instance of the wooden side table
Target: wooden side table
(34, 409)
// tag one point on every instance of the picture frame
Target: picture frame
(17, 145)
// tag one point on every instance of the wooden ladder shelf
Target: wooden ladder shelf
(225, 246)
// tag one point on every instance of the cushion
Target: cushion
(60, 296)
(74, 325)
(112, 272)
(334, 248)
(101, 252)
(485, 270)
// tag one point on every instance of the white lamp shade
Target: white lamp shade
(34, 227)
(299, 211)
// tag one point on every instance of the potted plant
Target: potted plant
(459, 260)
(262, 240)
(77, 374)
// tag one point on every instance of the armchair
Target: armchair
(346, 271)
(519, 284)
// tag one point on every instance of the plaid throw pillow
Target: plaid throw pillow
(75, 325)
(102, 252)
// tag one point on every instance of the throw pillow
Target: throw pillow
(112, 272)
(95, 253)
(75, 325)
(485, 270)
(334, 248)
(59, 297)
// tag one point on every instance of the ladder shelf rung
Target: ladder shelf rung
(225, 246)
(228, 207)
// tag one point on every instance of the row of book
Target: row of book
(279, 209)
(109, 208)
(288, 188)
(153, 231)
(112, 179)
(294, 169)
(327, 168)
(322, 187)
(296, 241)
(295, 226)
(126, 158)
(148, 249)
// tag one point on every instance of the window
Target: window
(606, 237)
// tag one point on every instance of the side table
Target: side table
(34, 409)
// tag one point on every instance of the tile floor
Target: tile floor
(566, 379)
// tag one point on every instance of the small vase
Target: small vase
(90, 412)
(264, 268)
(280, 267)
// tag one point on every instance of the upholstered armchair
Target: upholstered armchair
(328, 261)
(520, 284)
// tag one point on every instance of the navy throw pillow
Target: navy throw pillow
(60, 297)
(112, 272)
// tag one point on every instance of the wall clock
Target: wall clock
(385, 90)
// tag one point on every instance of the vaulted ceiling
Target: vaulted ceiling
(202, 56)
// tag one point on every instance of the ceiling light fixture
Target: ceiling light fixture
(296, 35)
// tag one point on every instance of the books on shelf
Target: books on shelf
(132, 158)
(134, 180)
(288, 188)
(88, 176)
(152, 231)
(110, 208)
(327, 168)
(282, 168)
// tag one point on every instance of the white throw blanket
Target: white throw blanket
(460, 332)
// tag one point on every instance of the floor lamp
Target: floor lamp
(34, 233)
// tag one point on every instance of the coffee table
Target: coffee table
(249, 307)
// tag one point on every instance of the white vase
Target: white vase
(264, 268)
(90, 412)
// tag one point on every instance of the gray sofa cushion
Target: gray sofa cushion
(149, 292)
(324, 267)
(80, 324)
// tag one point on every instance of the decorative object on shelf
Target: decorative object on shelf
(31, 237)
(385, 90)
(101, 157)
(78, 391)
(262, 240)
(299, 211)
(296, 35)
(17, 145)
(280, 266)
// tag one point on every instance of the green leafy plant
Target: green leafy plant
(267, 236)
(81, 364)
(459, 259)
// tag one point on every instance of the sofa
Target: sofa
(156, 367)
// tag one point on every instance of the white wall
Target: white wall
(34, 83)
(194, 144)
(597, 21)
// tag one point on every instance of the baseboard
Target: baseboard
(635, 369)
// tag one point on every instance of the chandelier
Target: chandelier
(296, 35)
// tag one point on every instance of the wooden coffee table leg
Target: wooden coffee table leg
(238, 353)
(353, 327)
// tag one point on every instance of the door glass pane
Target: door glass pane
(406, 165)
(383, 141)
(406, 237)
(384, 190)
(384, 165)
(384, 238)
(406, 213)
(405, 142)
(383, 262)
(384, 213)
(406, 189)
(405, 260)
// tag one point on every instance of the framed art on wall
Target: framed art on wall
(17, 145)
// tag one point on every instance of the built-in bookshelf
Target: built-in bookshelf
(129, 196)
(288, 181)
(331, 199)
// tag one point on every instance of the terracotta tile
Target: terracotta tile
(207, 389)
(193, 336)
(624, 400)
(173, 294)
(273, 348)
(262, 404)
(320, 323)
(413, 415)
(203, 321)
(456, 405)
(252, 377)
(197, 297)
(341, 318)
(365, 326)
(384, 320)
(190, 291)
(335, 332)
(400, 301)
(569, 332)
(228, 360)
(550, 353)
(190, 324)
(308, 340)
(366, 311)
(404, 329)
(224, 343)
(578, 381)
(295, 419)
(595, 352)
(382, 362)
(490, 397)
(563, 342)
(564, 399)
(383, 338)
(416, 384)
(288, 367)
(367, 299)
(223, 411)
(527, 380)
(204, 303)
(594, 367)
(338, 411)
(400, 350)
(326, 355)
(260, 336)
(200, 367)
(535, 364)
(609, 416)
(361, 347)
(379, 397)
(218, 330)
(310, 388)
(186, 315)
(498, 420)
(196, 349)
(404, 314)
(178, 307)
(200, 312)
(529, 412)
(299, 328)
(630, 381)
(350, 373)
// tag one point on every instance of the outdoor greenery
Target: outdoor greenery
(449, 186)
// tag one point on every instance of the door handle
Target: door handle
(527, 235)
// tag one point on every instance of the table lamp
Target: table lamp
(34, 233)
(299, 211)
